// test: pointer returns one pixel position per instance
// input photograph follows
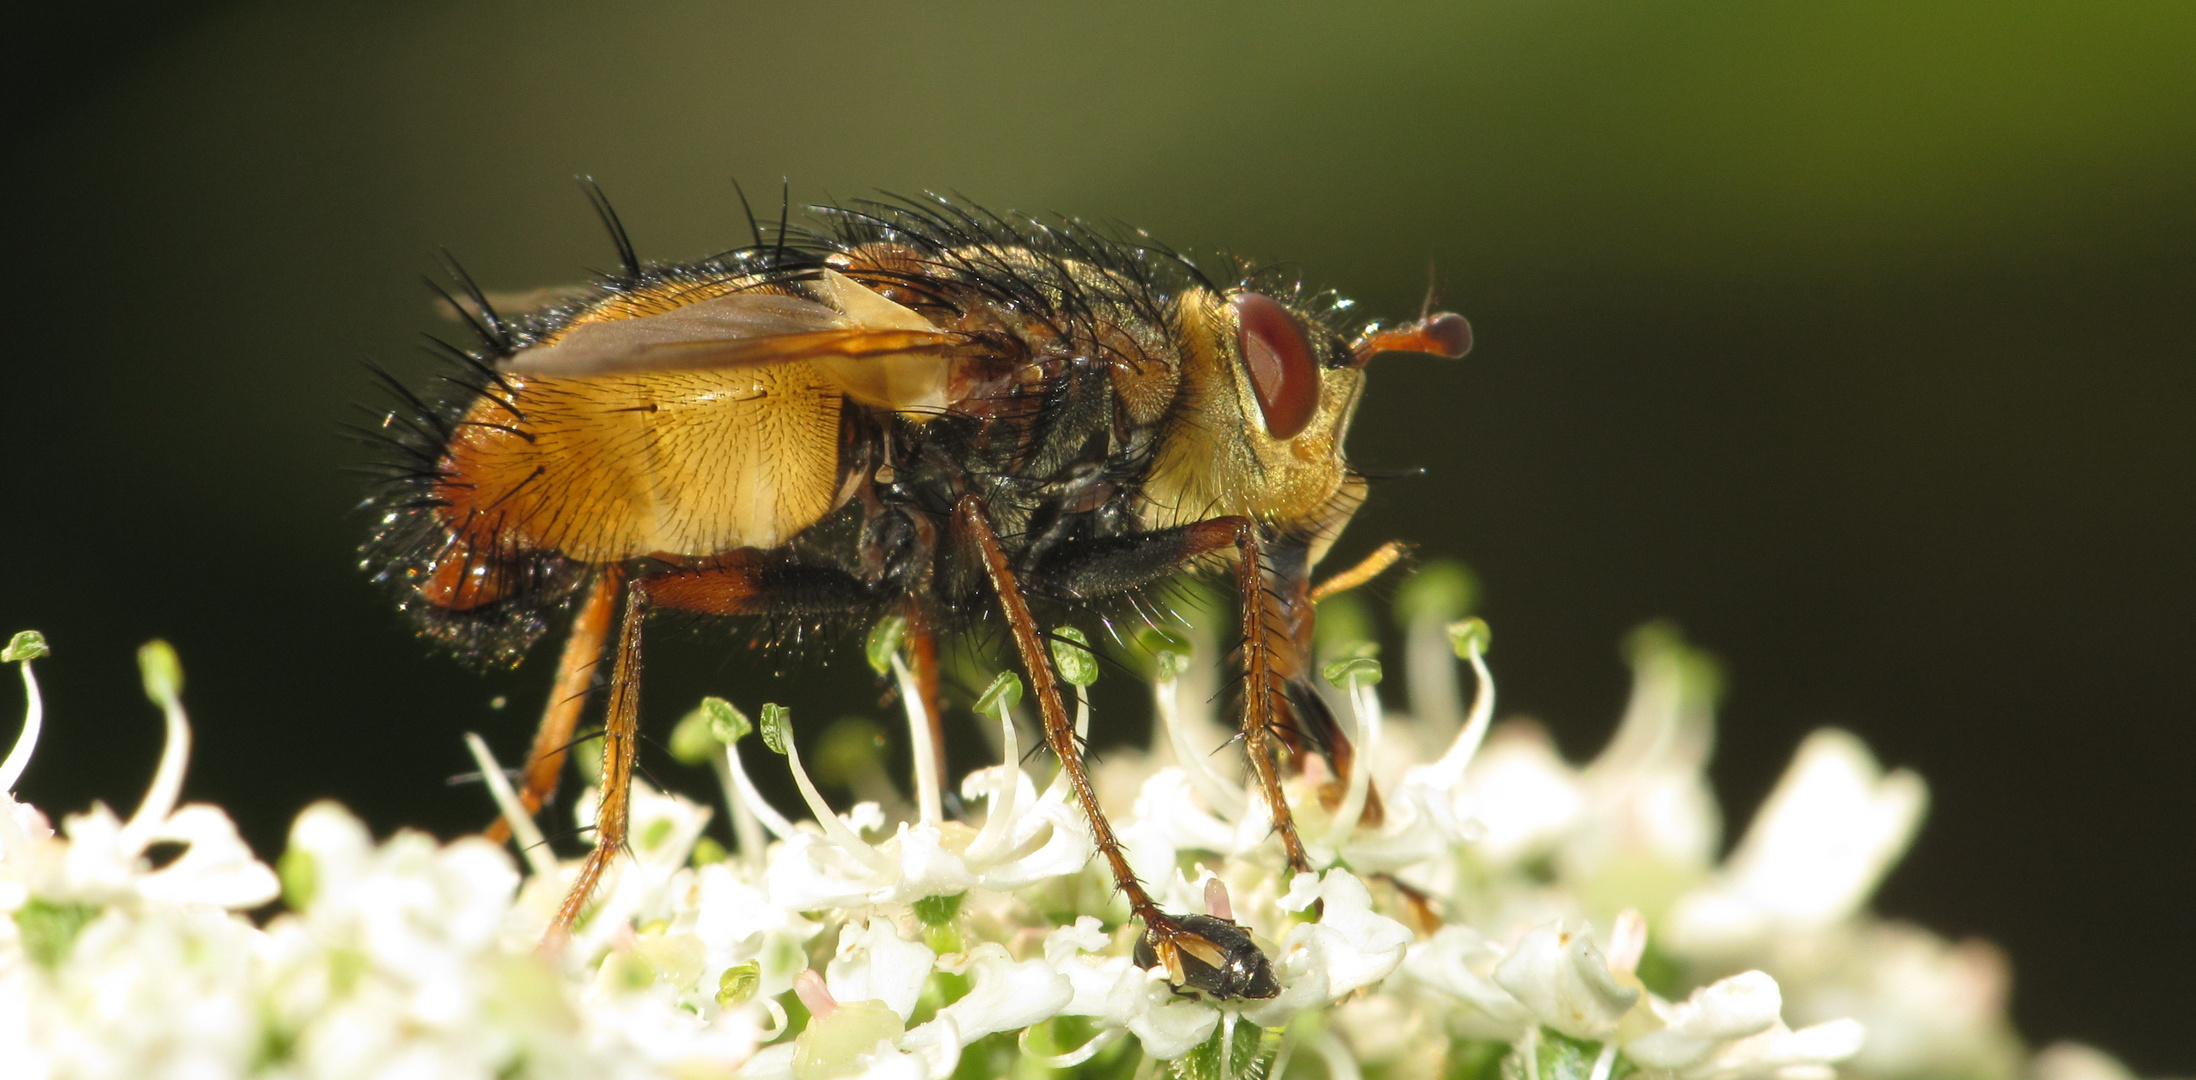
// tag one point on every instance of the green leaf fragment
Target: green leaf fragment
(1352, 671)
(163, 673)
(1474, 1059)
(1467, 636)
(1004, 693)
(738, 984)
(25, 645)
(884, 642)
(938, 910)
(1072, 654)
(1561, 1057)
(1245, 1056)
(49, 929)
(777, 727)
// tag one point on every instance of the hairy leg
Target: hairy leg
(619, 729)
(1105, 567)
(1197, 951)
(733, 584)
(567, 696)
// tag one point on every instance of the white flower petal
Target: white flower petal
(810, 873)
(1353, 945)
(1522, 793)
(1744, 1004)
(1007, 994)
(1093, 978)
(938, 1043)
(1168, 1024)
(1816, 851)
(926, 868)
(875, 964)
(1458, 961)
(1556, 972)
(216, 868)
(2075, 1061)
(1783, 1054)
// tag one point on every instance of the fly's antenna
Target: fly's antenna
(753, 229)
(610, 222)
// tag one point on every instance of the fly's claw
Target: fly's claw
(1209, 955)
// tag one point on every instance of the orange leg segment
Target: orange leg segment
(732, 584)
(1198, 951)
(567, 696)
(619, 730)
(1263, 697)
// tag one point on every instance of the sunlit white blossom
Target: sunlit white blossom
(1479, 909)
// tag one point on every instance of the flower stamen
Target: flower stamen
(23, 648)
(524, 832)
(929, 806)
(164, 685)
(1224, 799)
(1471, 647)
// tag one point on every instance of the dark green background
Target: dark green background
(1856, 337)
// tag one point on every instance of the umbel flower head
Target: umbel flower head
(1506, 915)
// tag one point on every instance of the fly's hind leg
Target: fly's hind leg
(1198, 951)
(733, 584)
(567, 696)
(619, 729)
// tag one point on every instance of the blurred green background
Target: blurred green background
(1858, 338)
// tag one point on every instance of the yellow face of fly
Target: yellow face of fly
(1256, 428)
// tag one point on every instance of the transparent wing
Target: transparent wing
(878, 352)
(728, 331)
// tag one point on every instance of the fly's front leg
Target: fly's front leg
(1106, 567)
(1198, 951)
(1264, 699)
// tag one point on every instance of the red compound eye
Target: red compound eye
(1284, 373)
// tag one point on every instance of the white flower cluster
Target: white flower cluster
(1481, 910)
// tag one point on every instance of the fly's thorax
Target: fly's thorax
(1219, 451)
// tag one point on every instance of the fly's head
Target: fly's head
(1267, 393)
